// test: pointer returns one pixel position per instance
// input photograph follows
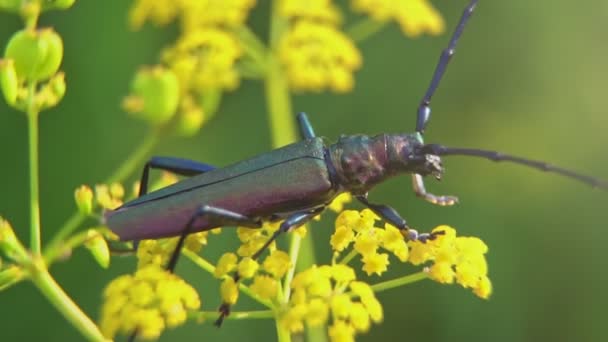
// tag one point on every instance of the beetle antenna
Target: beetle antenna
(424, 109)
(498, 157)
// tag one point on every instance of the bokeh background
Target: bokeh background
(529, 78)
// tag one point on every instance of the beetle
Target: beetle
(296, 182)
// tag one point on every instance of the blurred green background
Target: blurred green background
(529, 78)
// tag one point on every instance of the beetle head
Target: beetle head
(425, 163)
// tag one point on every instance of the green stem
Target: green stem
(234, 315)
(71, 243)
(32, 124)
(347, 258)
(282, 125)
(405, 280)
(11, 276)
(283, 132)
(364, 29)
(283, 334)
(64, 304)
(128, 167)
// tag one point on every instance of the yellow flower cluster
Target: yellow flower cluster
(316, 55)
(460, 259)
(204, 59)
(455, 258)
(414, 16)
(265, 277)
(358, 228)
(331, 292)
(146, 302)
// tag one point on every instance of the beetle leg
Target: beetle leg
(180, 166)
(306, 129)
(387, 213)
(293, 221)
(390, 215)
(420, 191)
(219, 217)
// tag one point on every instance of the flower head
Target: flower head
(317, 56)
(146, 302)
(455, 258)
(330, 294)
(205, 59)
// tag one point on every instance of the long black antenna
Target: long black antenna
(424, 109)
(498, 157)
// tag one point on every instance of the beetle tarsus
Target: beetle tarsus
(420, 191)
(224, 311)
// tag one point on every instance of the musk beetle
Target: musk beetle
(296, 182)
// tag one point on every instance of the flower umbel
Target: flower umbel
(317, 56)
(331, 295)
(454, 258)
(146, 302)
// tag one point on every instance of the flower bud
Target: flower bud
(8, 81)
(155, 95)
(84, 199)
(9, 244)
(52, 92)
(98, 247)
(37, 54)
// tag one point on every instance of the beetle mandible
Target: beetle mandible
(297, 182)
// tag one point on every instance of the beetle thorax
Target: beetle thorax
(362, 161)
